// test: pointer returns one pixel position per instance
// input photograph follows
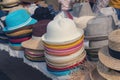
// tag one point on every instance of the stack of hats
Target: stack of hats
(109, 56)
(34, 50)
(3, 37)
(96, 33)
(64, 49)
(17, 28)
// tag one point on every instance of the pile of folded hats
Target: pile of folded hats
(3, 37)
(18, 28)
(109, 56)
(64, 49)
(34, 50)
(96, 33)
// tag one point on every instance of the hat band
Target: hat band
(114, 70)
(4, 6)
(115, 54)
(35, 37)
(23, 24)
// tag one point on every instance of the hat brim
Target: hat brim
(108, 60)
(33, 44)
(97, 38)
(94, 75)
(63, 41)
(33, 21)
(106, 73)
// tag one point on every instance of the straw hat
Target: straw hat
(18, 15)
(107, 73)
(81, 22)
(99, 27)
(38, 30)
(9, 2)
(30, 1)
(62, 31)
(108, 60)
(94, 75)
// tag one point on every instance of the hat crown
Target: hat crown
(62, 30)
(40, 28)
(16, 18)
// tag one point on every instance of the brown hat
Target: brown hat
(108, 60)
(94, 75)
(38, 30)
(107, 73)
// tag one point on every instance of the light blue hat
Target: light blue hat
(18, 19)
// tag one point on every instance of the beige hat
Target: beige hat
(94, 75)
(107, 73)
(9, 2)
(107, 60)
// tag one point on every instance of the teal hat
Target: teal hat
(17, 19)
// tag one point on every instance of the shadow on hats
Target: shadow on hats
(42, 13)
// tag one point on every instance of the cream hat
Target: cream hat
(62, 31)
(9, 2)
(107, 73)
(81, 22)
(108, 60)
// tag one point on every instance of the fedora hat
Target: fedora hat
(21, 16)
(107, 59)
(94, 75)
(38, 30)
(62, 31)
(107, 73)
(99, 28)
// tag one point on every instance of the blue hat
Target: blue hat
(18, 19)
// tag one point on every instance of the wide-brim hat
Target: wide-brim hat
(11, 26)
(38, 44)
(108, 60)
(107, 73)
(94, 75)
(57, 33)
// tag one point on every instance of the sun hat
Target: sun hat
(60, 66)
(34, 52)
(38, 30)
(9, 2)
(18, 15)
(63, 59)
(108, 60)
(19, 33)
(19, 40)
(107, 73)
(81, 22)
(64, 46)
(94, 75)
(99, 27)
(63, 52)
(98, 44)
(19, 37)
(61, 31)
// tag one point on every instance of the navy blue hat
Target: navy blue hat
(42, 13)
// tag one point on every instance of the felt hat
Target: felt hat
(108, 60)
(21, 16)
(94, 75)
(38, 30)
(107, 73)
(62, 31)
(99, 27)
